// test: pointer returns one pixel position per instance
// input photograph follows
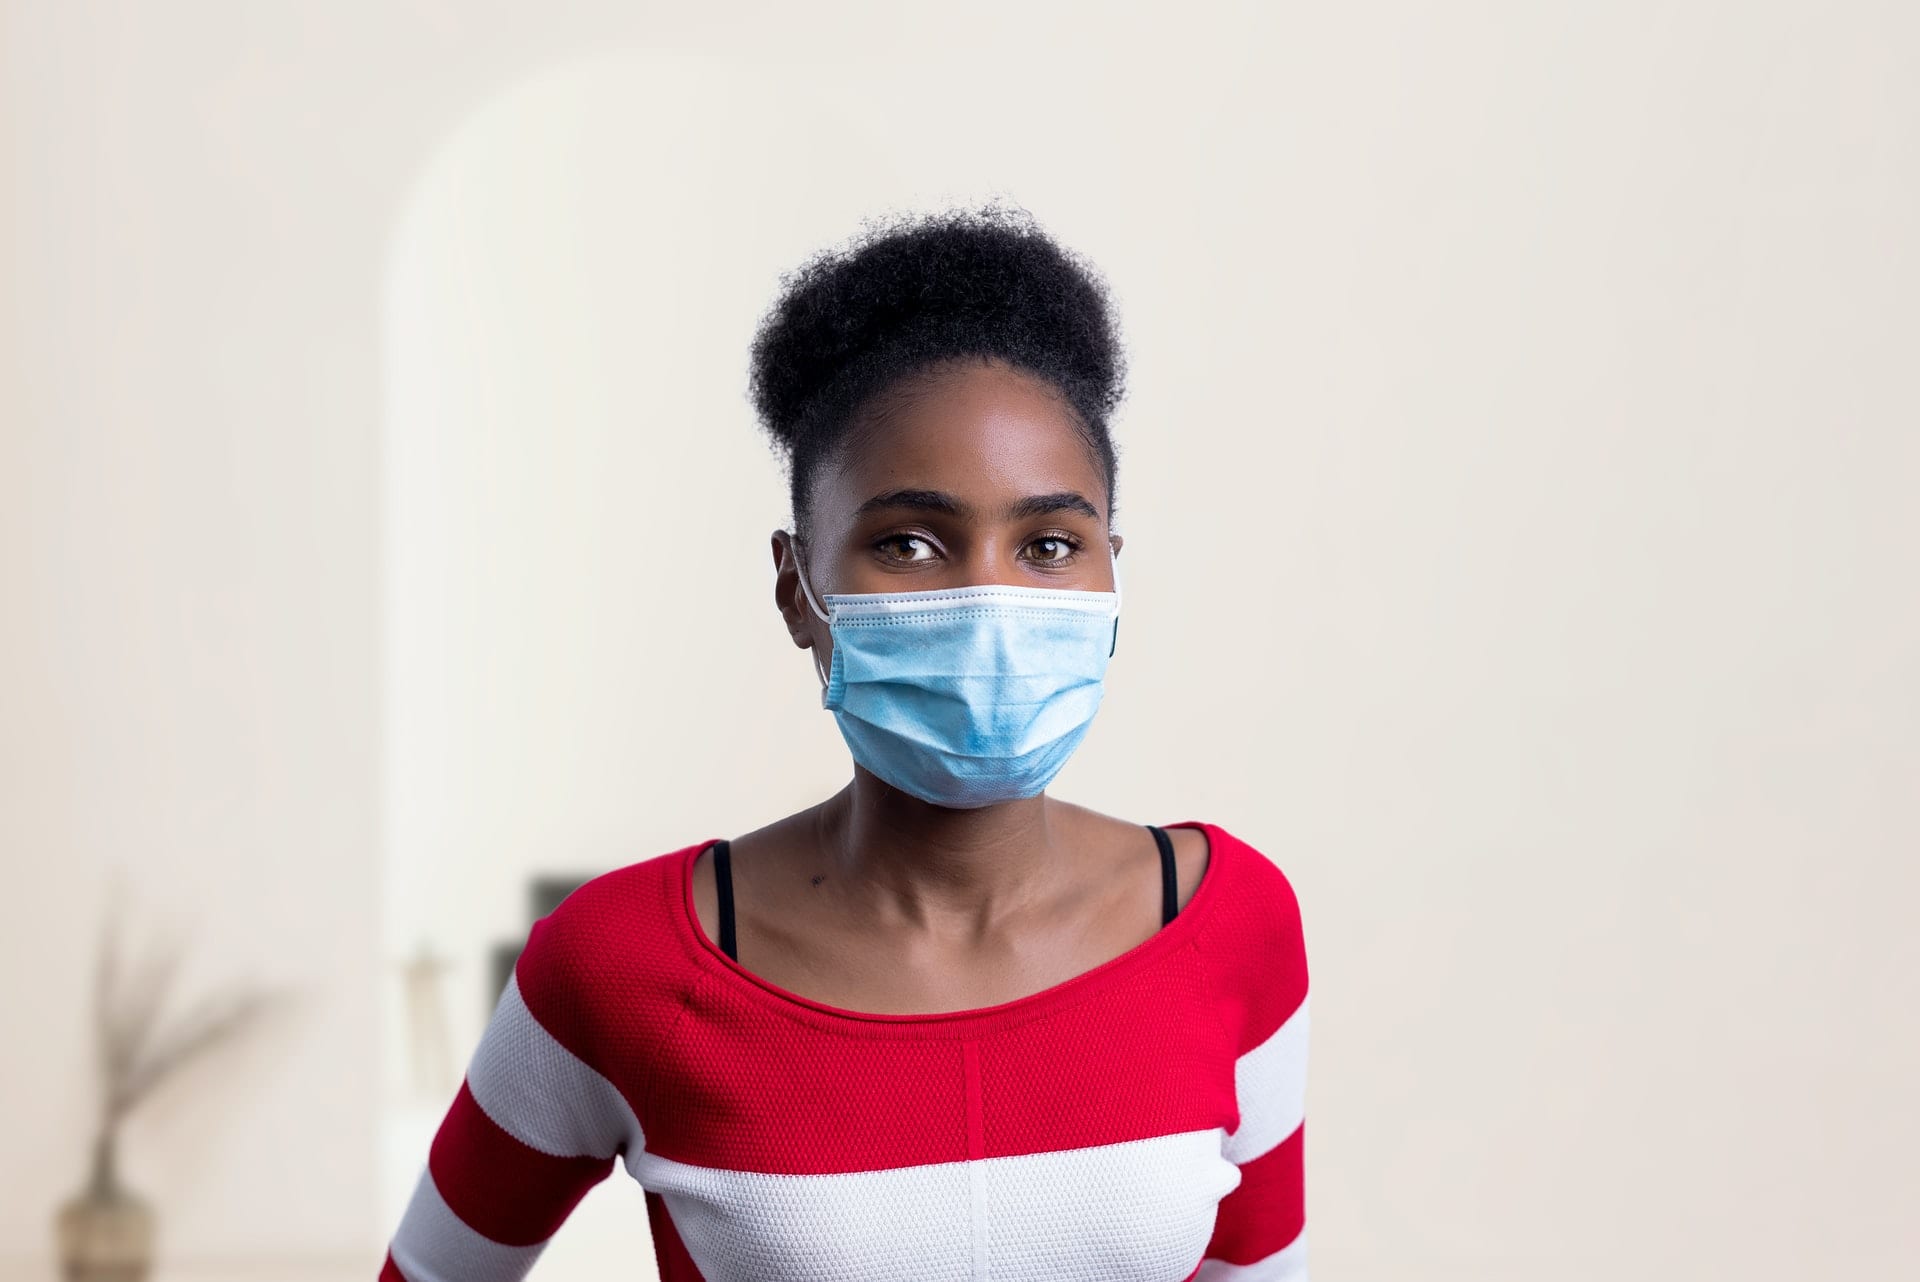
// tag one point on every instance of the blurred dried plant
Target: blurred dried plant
(137, 1049)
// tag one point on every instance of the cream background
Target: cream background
(1516, 478)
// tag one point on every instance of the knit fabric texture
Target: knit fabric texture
(1143, 1121)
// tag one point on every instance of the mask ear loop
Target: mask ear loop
(800, 567)
(1115, 643)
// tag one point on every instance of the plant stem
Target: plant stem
(104, 1184)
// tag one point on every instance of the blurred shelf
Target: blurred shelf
(257, 1270)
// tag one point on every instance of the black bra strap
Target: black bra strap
(723, 880)
(1169, 882)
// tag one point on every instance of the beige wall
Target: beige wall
(1513, 481)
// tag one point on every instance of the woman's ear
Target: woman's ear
(1114, 540)
(787, 594)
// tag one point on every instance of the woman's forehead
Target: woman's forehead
(989, 438)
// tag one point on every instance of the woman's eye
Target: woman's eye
(907, 547)
(1051, 548)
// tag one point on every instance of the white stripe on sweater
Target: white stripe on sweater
(541, 1093)
(1271, 1083)
(1138, 1211)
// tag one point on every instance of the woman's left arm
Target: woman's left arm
(1260, 1231)
(533, 1128)
(1260, 1227)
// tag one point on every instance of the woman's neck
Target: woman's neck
(937, 867)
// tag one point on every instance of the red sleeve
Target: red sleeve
(1257, 956)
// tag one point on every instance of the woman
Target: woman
(940, 1025)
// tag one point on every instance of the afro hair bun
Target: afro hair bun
(913, 291)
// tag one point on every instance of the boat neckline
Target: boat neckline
(1169, 936)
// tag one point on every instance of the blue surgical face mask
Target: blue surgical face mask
(966, 696)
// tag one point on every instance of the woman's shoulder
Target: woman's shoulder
(603, 910)
(1243, 874)
(1251, 931)
(620, 934)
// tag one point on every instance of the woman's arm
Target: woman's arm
(1260, 961)
(534, 1126)
(1260, 1231)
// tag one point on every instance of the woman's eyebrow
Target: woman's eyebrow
(946, 504)
(919, 500)
(1046, 504)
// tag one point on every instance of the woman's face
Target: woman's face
(977, 477)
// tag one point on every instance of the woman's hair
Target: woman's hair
(858, 326)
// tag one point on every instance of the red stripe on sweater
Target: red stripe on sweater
(499, 1187)
(613, 981)
(606, 972)
(751, 1088)
(1255, 946)
(1268, 1210)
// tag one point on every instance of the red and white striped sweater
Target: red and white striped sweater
(1140, 1122)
